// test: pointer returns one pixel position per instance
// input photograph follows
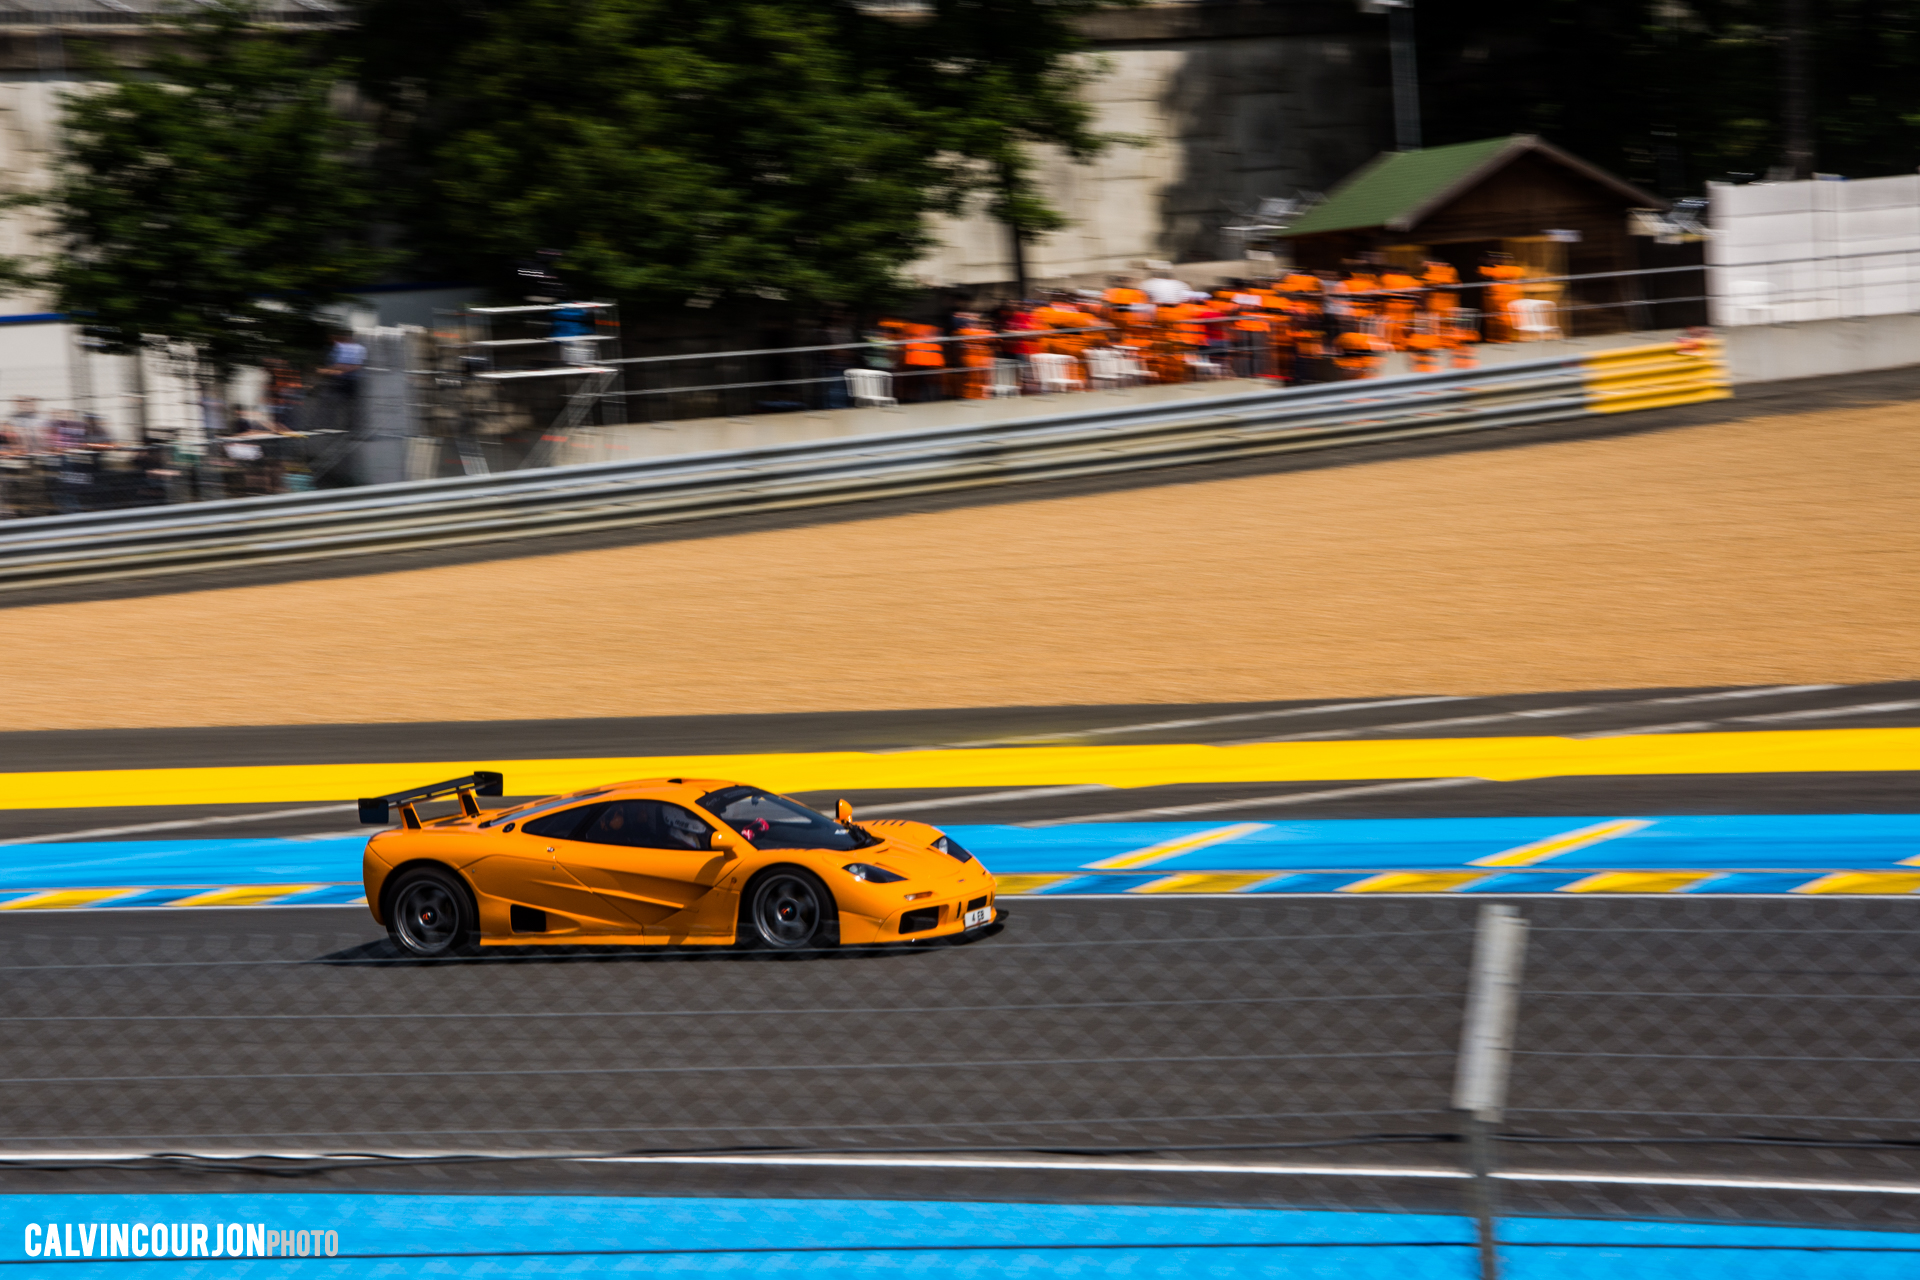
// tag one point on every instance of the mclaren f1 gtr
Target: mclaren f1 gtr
(661, 861)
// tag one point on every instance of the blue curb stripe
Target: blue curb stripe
(1762, 854)
(490, 1236)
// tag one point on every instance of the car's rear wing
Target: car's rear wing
(378, 810)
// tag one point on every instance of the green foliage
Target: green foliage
(677, 150)
(1674, 93)
(780, 148)
(210, 201)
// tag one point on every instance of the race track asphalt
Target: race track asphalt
(1210, 1052)
(1680, 1057)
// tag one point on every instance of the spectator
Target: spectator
(29, 429)
(340, 380)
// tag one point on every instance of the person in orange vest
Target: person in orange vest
(1360, 353)
(1362, 291)
(1426, 343)
(976, 354)
(1439, 277)
(1502, 290)
(1121, 295)
(1070, 326)
(921, 361)
(1402, 300)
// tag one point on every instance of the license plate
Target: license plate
(980, 917)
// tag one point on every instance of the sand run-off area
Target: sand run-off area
(1781, 548)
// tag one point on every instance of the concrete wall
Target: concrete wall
(1235, 101)
(1785, 252)
(1816, 348)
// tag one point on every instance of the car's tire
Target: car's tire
(788, 909)
(430, 913)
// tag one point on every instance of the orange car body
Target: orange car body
(580, 891)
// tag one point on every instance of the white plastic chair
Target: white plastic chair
(1056, 372)
(1533, 318)
(870, 388)
(1005, 380)
(1204, 368)
(1112, 367)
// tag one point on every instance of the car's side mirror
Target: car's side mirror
(843, 811)
(721, 840)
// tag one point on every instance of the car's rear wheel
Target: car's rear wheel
(788, 909)
(429, 913)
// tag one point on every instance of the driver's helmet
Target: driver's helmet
(685, 829)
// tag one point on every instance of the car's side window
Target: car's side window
(565, 824)
(646, 824)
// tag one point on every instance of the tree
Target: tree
(211, 201)
(780, 148)
(673, 151)
(1677, 92)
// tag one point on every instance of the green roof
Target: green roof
(1399, 185)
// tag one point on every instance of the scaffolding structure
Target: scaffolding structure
(489, 353)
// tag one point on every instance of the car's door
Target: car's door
(653, 861)
(520, 867)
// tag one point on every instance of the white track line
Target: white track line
(1284, 1170)
(1297, 797)
(984, 797)
(1544, 713)
(179, 824)
(1156, 726)
(1082, 1165)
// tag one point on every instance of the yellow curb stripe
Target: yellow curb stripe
(1206, 882)
(1496, 759)
(55, 899)
(243, 895)
(1863, 882)
(1025, 884)
(1638, 882)
(1173, 848)
(1414, 882)
(1553, 846)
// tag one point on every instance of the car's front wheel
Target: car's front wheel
(429, 913)
(788, 909)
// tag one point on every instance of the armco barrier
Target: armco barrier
(473, 509)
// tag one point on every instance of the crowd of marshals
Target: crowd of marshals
(1300, 326)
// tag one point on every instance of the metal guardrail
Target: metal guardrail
(576, 499)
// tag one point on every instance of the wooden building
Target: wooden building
(1551, 213)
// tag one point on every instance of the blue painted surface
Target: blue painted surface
(552, 1235)
(1315, 856)
(174, 862)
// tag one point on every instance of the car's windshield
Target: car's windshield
(775, 822)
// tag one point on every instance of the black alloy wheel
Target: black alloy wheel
(789, 910)
(429, 913)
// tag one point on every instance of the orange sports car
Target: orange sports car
(661, 861)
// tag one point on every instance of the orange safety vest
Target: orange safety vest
(924, 355)
(1183, 321)
(975, 355)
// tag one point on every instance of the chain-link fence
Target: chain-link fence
(1717, 1063)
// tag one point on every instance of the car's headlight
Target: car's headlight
(872, 874)
(952, 848)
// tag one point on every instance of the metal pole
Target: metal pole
(1486, 1054)
(1406, 78)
